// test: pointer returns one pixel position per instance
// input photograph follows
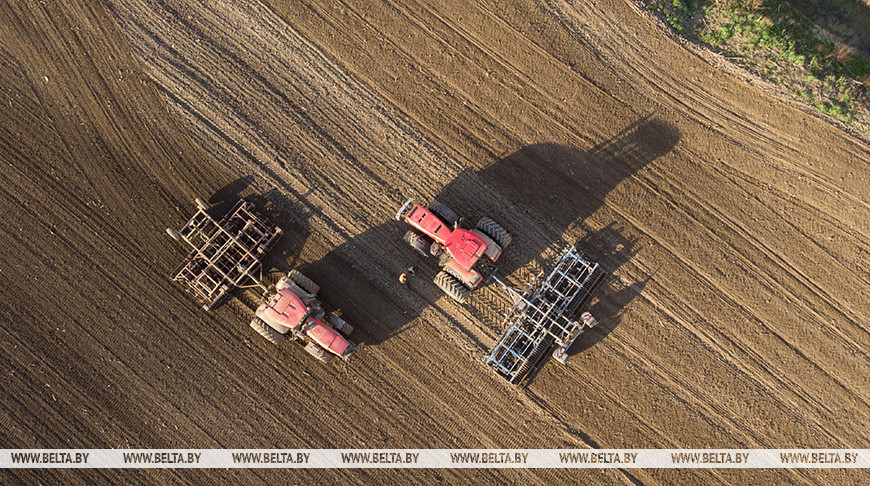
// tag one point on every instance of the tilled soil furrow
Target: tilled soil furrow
(816, 304)
(728, 345)
(813, 221)
(830, 173)
(799, 278)
(733, 229)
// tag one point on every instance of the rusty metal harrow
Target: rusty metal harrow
(225, 254)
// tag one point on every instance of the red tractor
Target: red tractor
(226, 253)
(295, 311)
(458, 250)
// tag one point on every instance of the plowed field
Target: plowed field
(734, 227)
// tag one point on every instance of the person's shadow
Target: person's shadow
(536, 194)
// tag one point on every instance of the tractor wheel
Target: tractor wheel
(201, 204)
(339, 323)
(301, 280)
(494, 231)
(417, 242)
(448, 269)
(443, 212)
(266, 331)
(452, 286)
(174, 234)
(319, 353)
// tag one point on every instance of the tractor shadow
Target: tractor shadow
(546, 186)
(549, 186)
(560, 186)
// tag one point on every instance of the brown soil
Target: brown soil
(735, 228)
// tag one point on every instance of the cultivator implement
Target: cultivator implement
(225, 254)
(545, 316)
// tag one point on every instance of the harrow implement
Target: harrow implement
(546, 315)
(224, 254)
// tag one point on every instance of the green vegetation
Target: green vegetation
(777, 42)
(676, 12)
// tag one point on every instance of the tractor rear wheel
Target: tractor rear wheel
(452, 272)
(304, 282)
(339, 323)
(443, 212)
(319, 353)
(417, 242)
(452, 286)
(266, 331)
(494, 231)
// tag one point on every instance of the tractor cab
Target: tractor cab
(288, 312)
(285, 311)
(465, 247)
(437, 232)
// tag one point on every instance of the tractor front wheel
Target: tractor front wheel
(319, 353)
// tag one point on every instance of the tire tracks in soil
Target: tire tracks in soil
(348, 108)
(313, 200)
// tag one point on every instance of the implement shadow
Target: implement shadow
(275, 205)
(563, 186)
(611, 249)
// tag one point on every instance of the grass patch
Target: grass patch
(777, 42)
(675, 12)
